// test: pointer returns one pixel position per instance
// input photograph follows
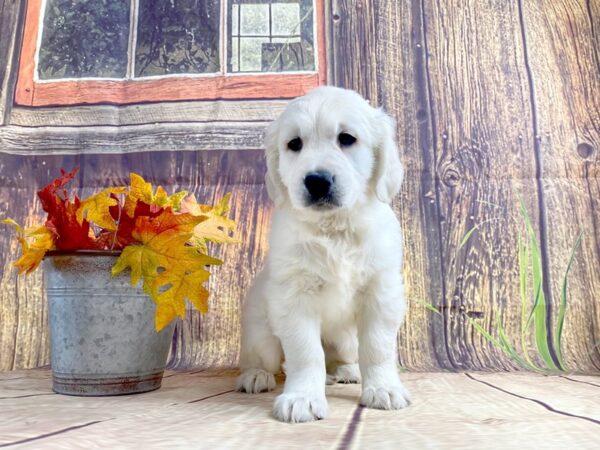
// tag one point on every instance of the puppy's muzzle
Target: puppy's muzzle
(320, 188)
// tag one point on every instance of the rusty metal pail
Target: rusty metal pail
(102, 335)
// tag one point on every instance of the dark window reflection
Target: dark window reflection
(270, 36)
(84, 38)
(177, 37)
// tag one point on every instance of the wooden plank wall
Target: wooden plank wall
(494, 99)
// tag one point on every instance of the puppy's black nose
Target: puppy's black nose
(318, 184)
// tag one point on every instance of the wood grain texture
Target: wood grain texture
(472, 415)
(563, 56)
(221, 111)
(481, 113)
(397, 67)
(199, 410)
(463, 106)
(133, 138)
(565, 397)
(9, 40)
(81, 92)
(353, 38)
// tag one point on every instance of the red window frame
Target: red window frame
(212, 87)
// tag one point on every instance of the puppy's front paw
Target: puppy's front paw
(297, 407)
(254, 381)
(378, 397)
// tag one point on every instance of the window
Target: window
(128, 51)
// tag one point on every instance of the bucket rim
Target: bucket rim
(87, 252)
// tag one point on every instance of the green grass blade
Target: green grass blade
(467, 236)
(485, 334)
(563, 305)
(523, 256)
(526, 364)
(539, 308)
(429, 306)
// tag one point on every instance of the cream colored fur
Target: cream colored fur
(331, 295)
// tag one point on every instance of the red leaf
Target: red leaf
(62, 219)
(125, 225)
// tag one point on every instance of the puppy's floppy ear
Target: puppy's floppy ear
(275, 186)
(388, 172)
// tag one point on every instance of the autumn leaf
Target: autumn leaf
(216, 228)
(179, 286)
(123, 235)
(62, 216)
(48, 193)
(171, 270)
(162, 247)
(143, 191)
(96, 209)
(35, 242)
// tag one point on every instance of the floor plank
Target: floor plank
(200, 410)
(581, 400)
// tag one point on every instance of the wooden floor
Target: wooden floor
(200, 410)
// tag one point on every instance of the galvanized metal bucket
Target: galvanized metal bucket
(102, 335)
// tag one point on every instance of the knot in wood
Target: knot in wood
(451, 175)
(585, 150)
(467, 164)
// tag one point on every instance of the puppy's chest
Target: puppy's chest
(336, 265)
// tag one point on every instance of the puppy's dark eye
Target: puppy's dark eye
(346, 140)
(295, 144)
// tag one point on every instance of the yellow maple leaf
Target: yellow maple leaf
(163, 259)
(96, 208)
(35, 242)
(217, 227)
(177, 287)
(141, 190)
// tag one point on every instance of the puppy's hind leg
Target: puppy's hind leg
(261, 352)
(341, 355)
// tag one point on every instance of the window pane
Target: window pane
(285, 18)
(251, 54)
(177, 36)
(254, 19)
(272, 36)
(84, 38)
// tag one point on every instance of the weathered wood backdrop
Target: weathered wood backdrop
(494, 99)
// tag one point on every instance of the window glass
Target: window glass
(84, 38)
(270, 36)
(93, 39)
(177, 37)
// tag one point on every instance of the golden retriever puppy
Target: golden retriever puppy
(330, 299)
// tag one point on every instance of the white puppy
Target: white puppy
(331, 293)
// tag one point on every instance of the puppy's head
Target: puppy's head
(331, 150)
